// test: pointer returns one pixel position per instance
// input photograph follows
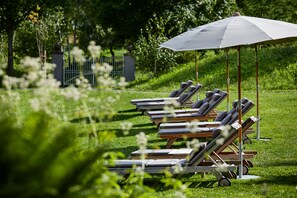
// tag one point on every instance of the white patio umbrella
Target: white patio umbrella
(235, 31)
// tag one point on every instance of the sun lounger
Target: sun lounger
(210, 95)
(205, 112)
(191, 165)
(231, 156)
(222, 118)
(184, 100)
(172, 134)
(173, 95)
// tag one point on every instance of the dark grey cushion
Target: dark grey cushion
(203, 108)
(226, 120)
(197, 104)
(221, 116)
(173, 93)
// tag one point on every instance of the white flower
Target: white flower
(126, 126)
(35, 104)
(32, 76)
(220, 141)
(49, 83)
(123, 83)
(141, 140)
(225, 130)
(71, 93)
(222, 167)
(105, 178)
(30, 64)
(107, 68)
(179, 194)
(94, 49)
(193, 127)
(170, 110)
(177, 168)
(194, 144)
(139, 171)
(106, 82)
(172, 102)
(9, 82)
(78, 55)
(48, 66)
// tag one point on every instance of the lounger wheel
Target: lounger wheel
(230, 175)
(245, 169)
(249, 163)
(224, 182)
(247, 141)
(234, 175)
(227, 175)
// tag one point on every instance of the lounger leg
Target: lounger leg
(170, 142)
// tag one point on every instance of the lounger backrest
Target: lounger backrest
(221, 116)
(231, 116)
(183, 87)
(217, 98)
(208, 97)
(245, 108)
(199, 156)
(234, 134)
(186, 97)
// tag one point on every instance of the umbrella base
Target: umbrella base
(264, 139)
(247, 177)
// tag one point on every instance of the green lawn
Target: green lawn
(276, 162)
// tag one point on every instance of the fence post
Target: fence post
(57, 59)
(129, 67)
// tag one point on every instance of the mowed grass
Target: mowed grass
(275, 163)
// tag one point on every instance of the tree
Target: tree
(274, 9)
(12, 13)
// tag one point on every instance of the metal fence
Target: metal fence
(72, 69)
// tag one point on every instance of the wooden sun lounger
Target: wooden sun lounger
(184, 101)
(172, 134)
(173, 95)
(209, 95)
(231, 156)
(194, 164)
(222, 118)
(205, 112)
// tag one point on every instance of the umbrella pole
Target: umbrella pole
(228, 81)
(257, 88)
(239, 113)
(196, 65)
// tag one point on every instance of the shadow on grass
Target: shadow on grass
(145, 125)
(121, 117)
(132, 132)
(284, 163)
(156, 183)
(128, 111)
(117, 117)
(138, 82)
(278, 180)
(126, 150)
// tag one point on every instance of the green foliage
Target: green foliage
(276, 9)
(47, 31)
(42, 158)
(149, 57)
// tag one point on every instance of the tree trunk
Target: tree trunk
(10, 32)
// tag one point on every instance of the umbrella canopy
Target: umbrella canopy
(232, 31)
